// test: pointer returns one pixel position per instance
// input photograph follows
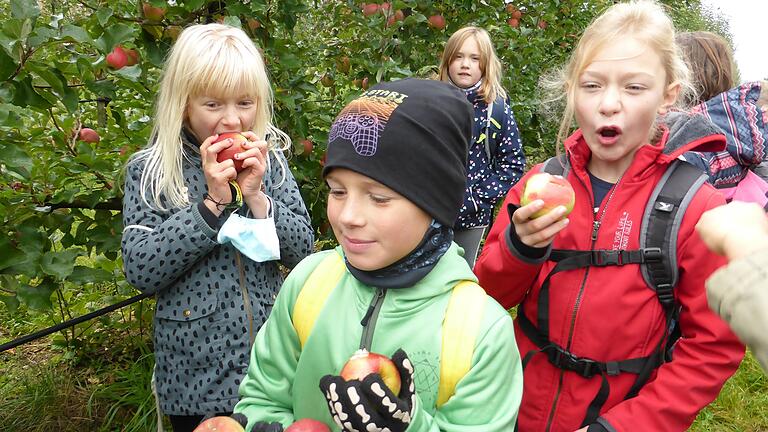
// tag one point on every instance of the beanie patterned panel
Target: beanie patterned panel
(363, 120)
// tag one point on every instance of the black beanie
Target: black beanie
(412, 136)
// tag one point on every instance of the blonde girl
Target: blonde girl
(594, 335)
(496, 159)
(213, 291)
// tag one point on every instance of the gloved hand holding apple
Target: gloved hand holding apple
(376, 402)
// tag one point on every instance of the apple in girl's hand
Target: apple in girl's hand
(238, 146)
(363, 363)
(219, 424)
(308, 425)
(554, 190)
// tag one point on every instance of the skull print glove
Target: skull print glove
(369, 405)
(267, 427)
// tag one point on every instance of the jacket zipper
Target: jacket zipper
(369, 319)
(593, 239)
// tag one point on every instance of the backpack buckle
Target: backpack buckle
(565, 360)
(603, 257)
(652, 255)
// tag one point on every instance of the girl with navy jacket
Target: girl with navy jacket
(496, 160)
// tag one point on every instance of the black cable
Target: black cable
(73, 322)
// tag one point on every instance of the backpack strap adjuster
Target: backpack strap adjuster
(652, 255)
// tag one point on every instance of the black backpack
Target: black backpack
(657, 257)
(493, 126)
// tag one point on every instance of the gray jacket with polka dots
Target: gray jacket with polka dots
(201, 325)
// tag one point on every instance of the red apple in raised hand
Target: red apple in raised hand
(89, 135)
(118, 58)
(554, 190)
(308, 425)
(219, 424)
(363, 363)
(238, 146)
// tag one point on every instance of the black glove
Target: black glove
(369, 405)
(258, 426)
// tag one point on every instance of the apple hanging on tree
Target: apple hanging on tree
(436, 21)
(88, 135)
(554, 190)
(118, 58)
(363, 363)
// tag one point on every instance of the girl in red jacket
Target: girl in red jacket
(595, 336)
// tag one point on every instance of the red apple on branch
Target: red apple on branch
(88, 135)
(238, 146)
(219, 424)
(363, 363)
(118, 58)
(370, 9)
(153, 13)
(554, 190)
(307, 425)
(133, 57)
(436, 21)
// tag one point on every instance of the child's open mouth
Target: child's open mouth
(608, 134)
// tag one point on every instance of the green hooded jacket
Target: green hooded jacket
(282, 380)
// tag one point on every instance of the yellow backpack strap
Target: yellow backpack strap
(315, 291)
(460, 327)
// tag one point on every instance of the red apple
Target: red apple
(253, 24)
(363, 363)
(342, 64)
(238, 145)
(117, 59)
(513, 22)
(219, 424)
(307, 145)
(542, 24)
(364, 83)
(89, 135)
(517, 14)
(307, 425)
(153, 13)
(436, 21)
(398, 15)
(510, 7)
(326, 80)
(370, 9)
(554, 190)
(133, 57)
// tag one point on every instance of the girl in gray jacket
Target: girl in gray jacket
(206, 237)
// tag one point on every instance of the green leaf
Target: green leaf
(82, 274)
(78, 34)
(233, 21)
(59, 264)
(11, 255)
(7, 66)
(130, 72)
(116, 34)
(24, 9)
(37, 297)
(25, 95)
(11, 302)
(14, 155)
(103, 15)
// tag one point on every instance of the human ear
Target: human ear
(670, 97)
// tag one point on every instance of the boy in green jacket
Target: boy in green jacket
(396, 171)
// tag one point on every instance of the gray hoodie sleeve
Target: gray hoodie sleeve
(291, 217)
(159, 247)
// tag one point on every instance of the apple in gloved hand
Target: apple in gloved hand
(308, 425)
(238, 146)
(363, 363)
(554, 190)
(219, 424)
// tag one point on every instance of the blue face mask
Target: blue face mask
(255, 238)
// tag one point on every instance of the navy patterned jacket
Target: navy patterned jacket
(488, 182)
(201, 323)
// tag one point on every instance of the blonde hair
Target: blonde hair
(644, 20)
(490, 66)
(209, 59)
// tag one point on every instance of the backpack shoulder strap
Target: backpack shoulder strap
(314, 293)
(460, 326)
(557, 165)
(661, 224)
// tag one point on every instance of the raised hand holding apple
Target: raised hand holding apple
(250, 177)
(369, 404)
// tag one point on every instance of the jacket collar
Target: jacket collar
(680, 133)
